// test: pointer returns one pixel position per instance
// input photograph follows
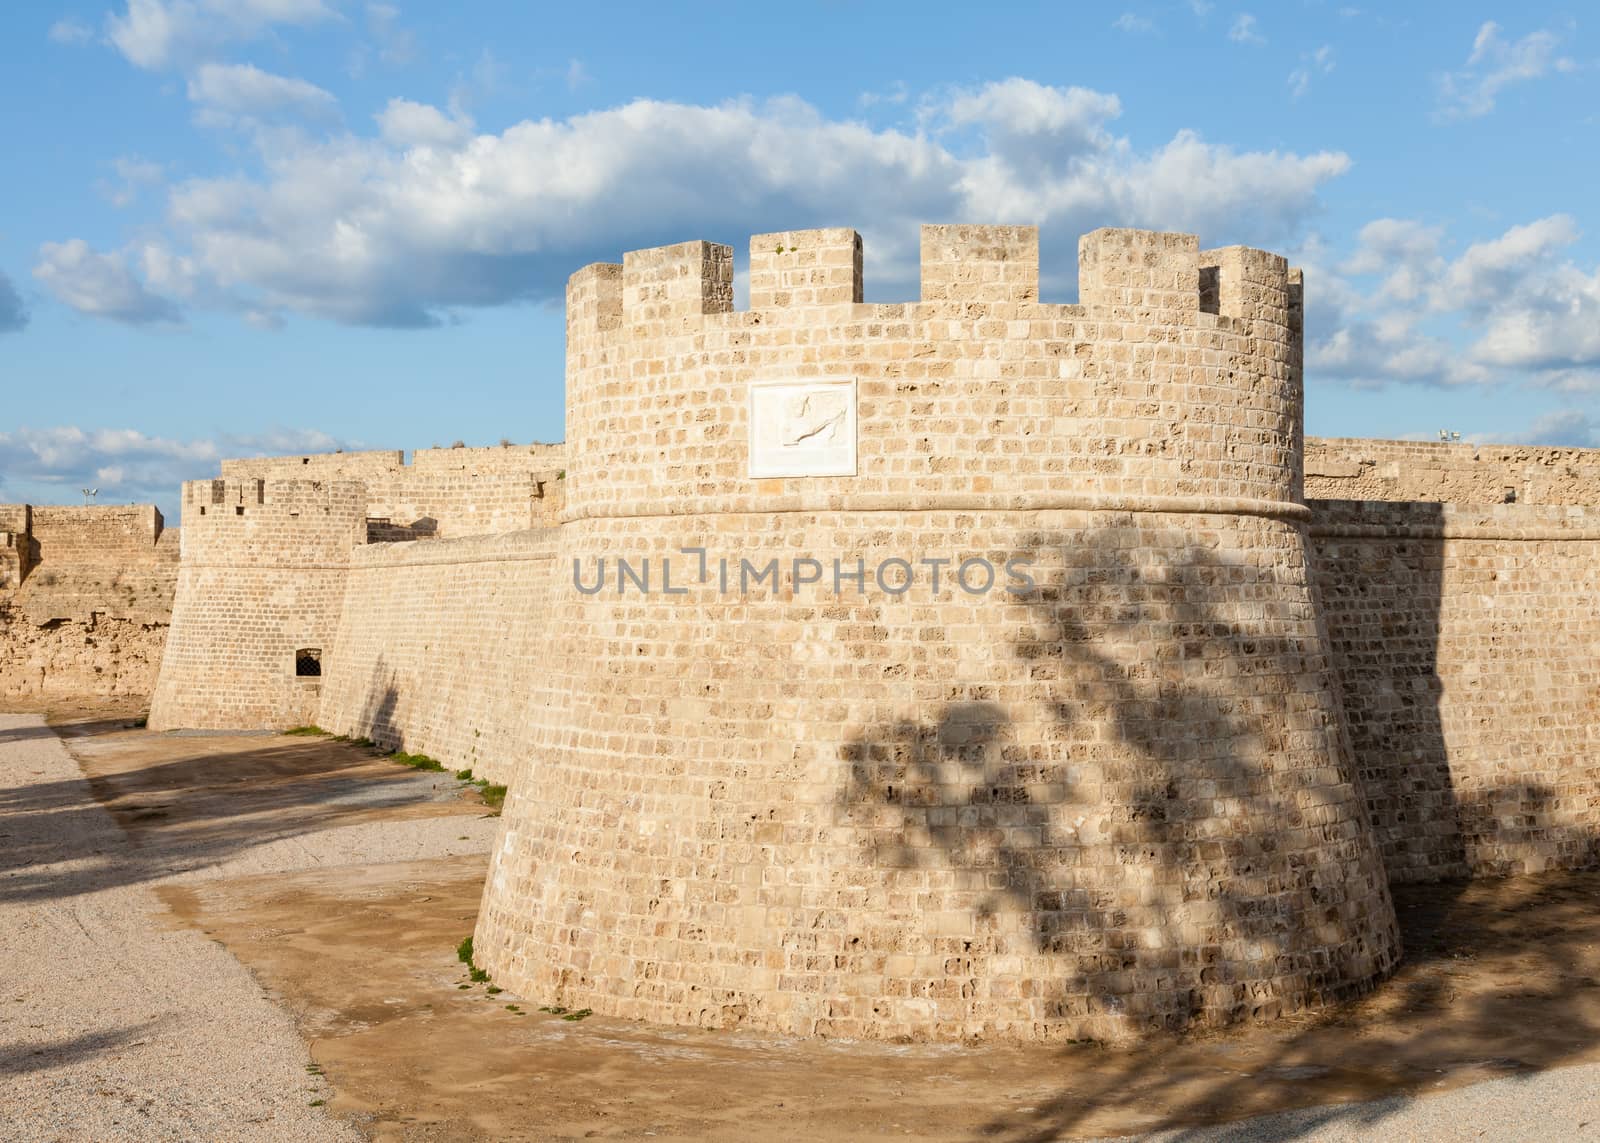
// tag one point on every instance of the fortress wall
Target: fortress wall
(440, 502)
(443, 492)
(263, 574)
(1464, 638)
(1460, 473)
(314, 466)
(495, 458)
(16, 544)
(1119, 801)
(85, 598)
(437, 645)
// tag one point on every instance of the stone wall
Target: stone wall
(443, 492)
(1119, 801)
(439, 648)
(1465, 641)
(85, 599)
(1437, 472)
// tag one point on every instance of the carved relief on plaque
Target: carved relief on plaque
(803, 428)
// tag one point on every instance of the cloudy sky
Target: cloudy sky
(241, 226)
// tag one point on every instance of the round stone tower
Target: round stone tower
(939, 669)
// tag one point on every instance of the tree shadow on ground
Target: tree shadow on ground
(24, 1058)
(217, 800)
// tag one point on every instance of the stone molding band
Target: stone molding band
(1449, 531)
(1049, 501)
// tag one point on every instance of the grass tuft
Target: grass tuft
(493, 796)
(416, 761)
(307, 732)
(464, 951)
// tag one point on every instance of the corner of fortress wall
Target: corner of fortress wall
(1030, 816)
(381, 569)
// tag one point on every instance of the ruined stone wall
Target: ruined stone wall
(1439, 472)
(1116, 802)
(85, 599)
(1465, 641)
(439, 645)
(262, 577)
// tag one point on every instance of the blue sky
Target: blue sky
(238, 226)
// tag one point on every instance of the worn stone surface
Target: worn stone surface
(85, 599)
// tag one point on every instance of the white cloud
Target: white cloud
(70, 31)
(232, 94)
(1510, 307)
(13, 314)
(54, 464)
(1572, 428)
(428, 217)
(1244, 30)
(160, 33)
(405, 124)
(1319, 62)
(1133, 22)
(101, 285)
(397, 46)
(133, 175)
(1496, 64)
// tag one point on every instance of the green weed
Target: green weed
(415, 761)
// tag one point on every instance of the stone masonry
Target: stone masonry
(1160, 780)
(85, 599)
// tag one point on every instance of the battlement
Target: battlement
(1176, 375)
(253, 520)
(1127, 273)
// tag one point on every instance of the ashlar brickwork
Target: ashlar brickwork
(1163, 783)
(1117, 802)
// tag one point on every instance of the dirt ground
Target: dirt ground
(1500, 978)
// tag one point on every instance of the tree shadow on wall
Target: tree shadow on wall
(1165, 696)
(378, 720)
(1142, 818)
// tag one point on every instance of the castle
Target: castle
(1219, 687)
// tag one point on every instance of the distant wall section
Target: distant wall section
(1464, 639)
(85, 599)
(1440, 472)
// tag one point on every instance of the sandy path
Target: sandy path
(114, 1025)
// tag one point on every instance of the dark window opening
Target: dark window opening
(308, 663)
(239, 510)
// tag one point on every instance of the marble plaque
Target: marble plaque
(803, 428)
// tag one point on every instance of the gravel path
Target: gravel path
(113, 1026)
